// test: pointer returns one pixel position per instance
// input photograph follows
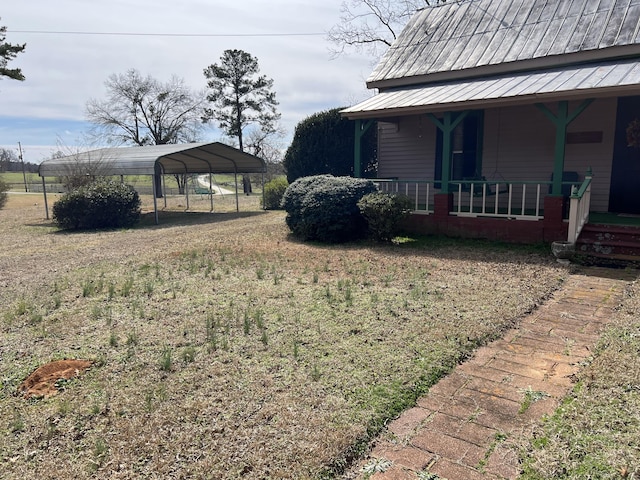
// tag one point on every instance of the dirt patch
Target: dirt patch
(42, 382)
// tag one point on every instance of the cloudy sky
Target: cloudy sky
(64, 70)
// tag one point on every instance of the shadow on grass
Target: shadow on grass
(167, 219)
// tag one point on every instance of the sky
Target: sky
(46, 112)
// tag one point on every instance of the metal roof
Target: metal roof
(486, 37)
(592, 80)
(171, 159)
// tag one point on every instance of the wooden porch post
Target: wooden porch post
(447, 126)
(361, 129)
(561, 120)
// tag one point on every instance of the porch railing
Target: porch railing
(522, 200)
(419, 191)
(580, 203)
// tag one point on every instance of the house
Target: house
(507, 119)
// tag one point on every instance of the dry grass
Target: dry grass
(596, 431)
(224, 348)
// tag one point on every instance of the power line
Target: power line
(134, 34)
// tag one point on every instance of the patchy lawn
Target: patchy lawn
(224, 348)
(596, 431)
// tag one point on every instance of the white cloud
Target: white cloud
(64, 71)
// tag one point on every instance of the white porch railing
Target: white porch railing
(518, 200)
(580, 203)
(419, 191)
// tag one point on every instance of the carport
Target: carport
(156, 161)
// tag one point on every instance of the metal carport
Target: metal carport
(198, 158)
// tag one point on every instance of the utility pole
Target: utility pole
(24, 175)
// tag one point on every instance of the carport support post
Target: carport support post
(235, 176)
(155, 198)
(44, 193)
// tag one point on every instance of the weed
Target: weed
(260, 273)
(88, 288)
(348, 295)
(264, 339)
(315, 277)
(315, 373)
(377, 465)
(21, 308)
(132, 338)
(96, 312)
(57, 301)
(111, 291)
(148, 288)
(189, 355)
(126, 287)
(530, 396)
(113, 339)
(246, 323)
(296, 349)
(35, 318)
(259, 319)
(16, 425)
(165, 360)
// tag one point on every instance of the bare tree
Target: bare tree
(144, 111)
(369, 25)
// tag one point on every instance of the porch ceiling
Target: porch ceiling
(620, 77)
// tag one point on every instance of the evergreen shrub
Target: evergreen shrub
(384, 212)
(325, 208)
(273, 192)
(4, 187)
(101, 204)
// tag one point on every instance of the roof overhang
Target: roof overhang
(593, 80)
(169, 159)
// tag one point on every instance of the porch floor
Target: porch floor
(606, 218)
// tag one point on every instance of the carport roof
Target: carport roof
(171, 159)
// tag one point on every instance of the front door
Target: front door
(624, 194)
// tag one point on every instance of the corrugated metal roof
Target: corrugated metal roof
(596, 79)
(463, 35)
(182, 158)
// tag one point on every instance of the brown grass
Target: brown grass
(224, 348)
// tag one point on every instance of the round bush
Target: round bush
(3, 193)
(384, 212)
(325, 208)
(273, 192)
(101, 204)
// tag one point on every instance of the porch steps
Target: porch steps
(610, 242)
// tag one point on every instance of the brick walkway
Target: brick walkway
(457, 430)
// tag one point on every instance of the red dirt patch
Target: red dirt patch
(42, 382)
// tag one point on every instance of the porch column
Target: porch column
(361, 129)
(447, 126)
(561, 120)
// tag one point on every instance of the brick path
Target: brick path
(457, 430)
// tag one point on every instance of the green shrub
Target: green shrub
(3, 193)
(273, 192)
(101, 204)
(325, 208)
(383, 212)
